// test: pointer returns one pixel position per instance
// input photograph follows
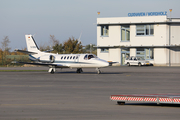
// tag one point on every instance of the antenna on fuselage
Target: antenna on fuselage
(34, 34)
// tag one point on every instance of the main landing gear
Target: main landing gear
(79, 70)
(51, 70)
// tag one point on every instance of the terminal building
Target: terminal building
(154, 38)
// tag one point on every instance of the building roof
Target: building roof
(141, 46)
(137, 20)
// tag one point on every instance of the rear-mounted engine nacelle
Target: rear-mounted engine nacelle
(47, 58)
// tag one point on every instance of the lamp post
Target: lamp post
(90, 48)
(170, 13)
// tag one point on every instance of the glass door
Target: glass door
(124, 56)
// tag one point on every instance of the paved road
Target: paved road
(71, 96)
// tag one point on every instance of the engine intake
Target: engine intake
(52, 58)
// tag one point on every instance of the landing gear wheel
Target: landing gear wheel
(98, 71)
(120, 103)
(128, 64)
(52, 71)
(79, 70)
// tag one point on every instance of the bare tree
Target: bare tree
(53, 40)
(5, 49)
(5, 44)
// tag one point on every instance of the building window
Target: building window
(104, 50)
(125, 33)
(144, 29)
(145, 53)
(149, 53)
(105, 30)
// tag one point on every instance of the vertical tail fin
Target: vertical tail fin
(31, 44)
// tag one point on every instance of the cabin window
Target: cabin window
(65, 57)
(91, 56)
(61, 57)
(68, 57)
(71, 57)
(74, 57)
(86, 57)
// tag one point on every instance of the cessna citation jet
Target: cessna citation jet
(78, 61)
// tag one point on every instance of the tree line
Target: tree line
(71, 45)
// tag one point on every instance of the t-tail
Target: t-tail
(32, 48)
(31, 44)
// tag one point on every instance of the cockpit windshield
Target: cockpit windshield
(88, 57)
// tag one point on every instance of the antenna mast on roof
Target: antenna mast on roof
(170, 13)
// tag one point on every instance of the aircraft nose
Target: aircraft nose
(105, 64)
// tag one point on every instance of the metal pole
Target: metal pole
(90, 48)
(170, 38)
(169, 44)
(170, 13)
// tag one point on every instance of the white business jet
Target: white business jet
(78, 61)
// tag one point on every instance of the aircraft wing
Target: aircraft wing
(44, 64)
(110, 63)
(24, 51)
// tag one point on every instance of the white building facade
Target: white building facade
(154, 38)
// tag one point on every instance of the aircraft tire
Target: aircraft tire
(79, 70)
(52, 71)
(120, 103)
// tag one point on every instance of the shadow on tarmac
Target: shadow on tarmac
(152, 104)
(74, 72)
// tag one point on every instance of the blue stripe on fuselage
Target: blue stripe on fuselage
(32, 58)
(72, 62)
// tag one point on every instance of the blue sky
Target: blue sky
(67, 18)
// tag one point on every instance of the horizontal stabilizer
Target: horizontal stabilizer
(24, 51)
(48, 50)
(43, 64)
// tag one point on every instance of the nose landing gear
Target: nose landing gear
(98, 70)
